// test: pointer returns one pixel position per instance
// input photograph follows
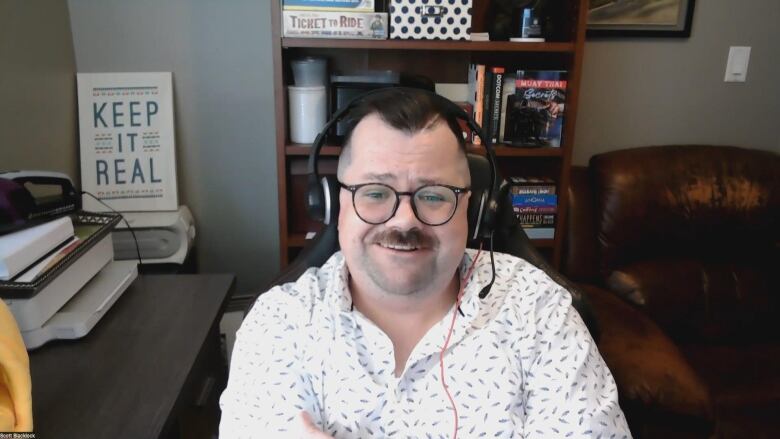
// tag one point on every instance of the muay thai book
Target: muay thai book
(320, 24)
(535, 112)
(127, 145)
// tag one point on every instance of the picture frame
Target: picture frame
(643, 19)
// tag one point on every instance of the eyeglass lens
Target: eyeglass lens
(434, 205)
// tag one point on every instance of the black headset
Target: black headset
(322, 194)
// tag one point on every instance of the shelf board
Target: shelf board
(501, 151)
(296, 240)
(466, 46)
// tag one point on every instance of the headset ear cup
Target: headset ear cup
(315, 200)
(330, 188)
(475, 212)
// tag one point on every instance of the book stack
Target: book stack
(351, 19)
(535, 204)
(485, 88)
(524, 108)
(58, 278)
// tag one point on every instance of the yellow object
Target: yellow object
(15, 385)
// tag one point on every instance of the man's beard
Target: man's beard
(403, 280)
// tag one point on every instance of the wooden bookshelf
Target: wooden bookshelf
(463, 46)
(442, 61)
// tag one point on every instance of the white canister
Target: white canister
(308, 112)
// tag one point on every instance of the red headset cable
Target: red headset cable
(447, 341)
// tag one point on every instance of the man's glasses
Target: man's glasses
(376, 203)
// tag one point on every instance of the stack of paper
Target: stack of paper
(22, 249)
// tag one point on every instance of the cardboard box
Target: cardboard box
(318, 24)
(417, 20)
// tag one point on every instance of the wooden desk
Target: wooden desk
(139, 371)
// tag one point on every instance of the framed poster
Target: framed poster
(127, 146)
(640, 18)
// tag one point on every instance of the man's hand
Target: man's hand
(310, 431)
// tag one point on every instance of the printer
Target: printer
(163, 237)
(57, 289)
(71, 303)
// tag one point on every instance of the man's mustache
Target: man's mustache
(413, 238)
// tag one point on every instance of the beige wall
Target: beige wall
(220, 56)
(38, 124)
(656, 91)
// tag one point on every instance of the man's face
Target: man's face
(403, 256)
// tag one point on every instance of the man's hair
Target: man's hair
(404, 109)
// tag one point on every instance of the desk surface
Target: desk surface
(122, 380)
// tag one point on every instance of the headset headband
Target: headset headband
(452, 110)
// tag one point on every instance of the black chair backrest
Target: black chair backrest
(508, 237)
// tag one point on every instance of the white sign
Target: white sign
(128, 156)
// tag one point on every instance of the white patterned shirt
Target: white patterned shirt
(520, 364)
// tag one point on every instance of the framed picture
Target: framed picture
(640, 18)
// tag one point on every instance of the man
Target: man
(361, 347)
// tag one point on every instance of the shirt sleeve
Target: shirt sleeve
(569, 390)
(267, 388)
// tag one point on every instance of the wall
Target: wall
(639, 92)
(38, 124)
(220, 56)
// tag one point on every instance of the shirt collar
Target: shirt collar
(481, 276)
(337, 286)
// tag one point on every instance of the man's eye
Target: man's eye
(430, 198)
(375, 195)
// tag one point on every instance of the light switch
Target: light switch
(737, 65)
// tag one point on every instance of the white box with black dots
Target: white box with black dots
(430, 19)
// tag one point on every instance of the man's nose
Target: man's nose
(404, 216)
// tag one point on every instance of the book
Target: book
(487, 114)
(478, 90)
(494, 108)
(507, 89)
(127, 145)
(535, 112)
(326, 24)
(540, 233)
(329, 5)
(531, 186)
(21, 249)
(532, 200)
(536, 220)
(534, 209)
(532, 190)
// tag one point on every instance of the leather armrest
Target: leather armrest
(647, 365)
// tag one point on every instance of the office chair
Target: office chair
(508, 237)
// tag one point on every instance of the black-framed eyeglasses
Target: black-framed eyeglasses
(433, 204)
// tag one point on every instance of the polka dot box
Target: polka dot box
(430, 19)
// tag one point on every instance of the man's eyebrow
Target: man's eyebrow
(385, 177)
(378, 177)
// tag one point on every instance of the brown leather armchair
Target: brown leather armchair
(677, 248)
